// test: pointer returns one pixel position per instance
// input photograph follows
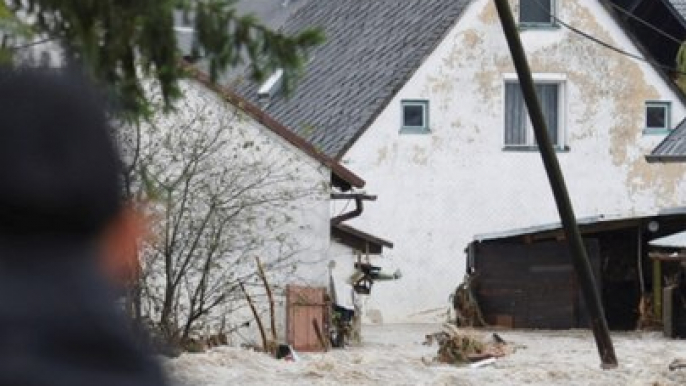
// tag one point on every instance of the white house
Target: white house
(226, 184)
(422, 96)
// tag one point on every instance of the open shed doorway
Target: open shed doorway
(620, 275)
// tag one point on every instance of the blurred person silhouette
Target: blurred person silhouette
(63, 238)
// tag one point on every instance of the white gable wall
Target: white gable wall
(294, 171)
(437, 190)
(283, 191)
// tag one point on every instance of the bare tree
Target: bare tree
(220, 194)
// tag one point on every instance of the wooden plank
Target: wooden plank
(535, 284)
(667, 312)
(504, 320)
(304, 308)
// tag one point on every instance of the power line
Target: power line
(605, 44)
(642, 21)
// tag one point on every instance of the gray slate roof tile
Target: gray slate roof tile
(372, 48)
(673, 147)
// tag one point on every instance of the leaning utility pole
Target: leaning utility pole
(557, 183)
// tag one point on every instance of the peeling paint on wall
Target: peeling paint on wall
(437, 191)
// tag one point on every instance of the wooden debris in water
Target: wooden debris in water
(456, 346)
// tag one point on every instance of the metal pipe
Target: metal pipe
(358, 197)
(349, 215)
(564, 205)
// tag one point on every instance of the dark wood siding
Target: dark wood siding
(531, 285)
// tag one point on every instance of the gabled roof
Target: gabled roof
(341, 176)
(672, 148)
(372, 49)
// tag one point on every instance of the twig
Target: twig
(257, 317)
(270, 297)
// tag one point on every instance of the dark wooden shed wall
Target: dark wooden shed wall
(531, 285)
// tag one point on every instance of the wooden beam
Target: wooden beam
(662, 256)
(657, 287)
(582, 265)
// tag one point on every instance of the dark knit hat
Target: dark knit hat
(59, 170)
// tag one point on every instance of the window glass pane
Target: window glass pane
(535, 11)
(547, 97)
(656, 117)
(413, 115)
(515, 115)
(518, 129)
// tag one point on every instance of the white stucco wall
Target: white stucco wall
(437, 190)
(283, 194)
(292, 171)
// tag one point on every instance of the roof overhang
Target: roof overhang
(359, 240)
(341, 176)
(665, 158)
(587, 225)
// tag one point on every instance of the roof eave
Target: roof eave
(350, 179)
(347, 229)
(654, 158)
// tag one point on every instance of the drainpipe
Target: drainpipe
(358, 197)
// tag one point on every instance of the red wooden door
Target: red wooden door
(304, 305)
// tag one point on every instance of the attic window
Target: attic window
(536, 13)
(415, 116)
(657, 117)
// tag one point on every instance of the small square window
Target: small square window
(657, 117)
(415, 116)
(536, 13)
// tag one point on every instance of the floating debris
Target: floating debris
(458, 347)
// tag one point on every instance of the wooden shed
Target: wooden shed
(525, 278)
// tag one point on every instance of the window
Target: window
(415, 116)
(657, 117)
(518, 130)
(536, 13)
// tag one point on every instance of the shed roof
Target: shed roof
(587, 224)
(357, 239)
(372, 48)
(672, 148)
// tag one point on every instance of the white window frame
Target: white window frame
(535, 24)
(667, 105)
(424, 104)
(540, 78)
